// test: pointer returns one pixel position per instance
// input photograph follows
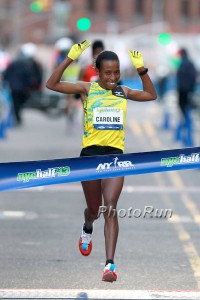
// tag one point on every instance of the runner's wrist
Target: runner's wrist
(142, 71)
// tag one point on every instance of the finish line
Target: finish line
(20, 175)
(96, 294)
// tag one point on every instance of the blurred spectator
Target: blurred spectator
(4, 60)
(23, 77)
(88, 73)
(186, 82)
(62, 47)
(162, 74)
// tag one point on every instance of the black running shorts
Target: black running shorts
(99, 150)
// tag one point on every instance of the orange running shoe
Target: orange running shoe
(109, 273)
(85, 243)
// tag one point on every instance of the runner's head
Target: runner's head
(108, 69)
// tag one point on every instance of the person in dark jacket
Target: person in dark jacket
(186, 81)
(23, 76)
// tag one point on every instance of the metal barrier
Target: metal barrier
(6, 112)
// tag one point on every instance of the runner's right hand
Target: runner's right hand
(77, 49)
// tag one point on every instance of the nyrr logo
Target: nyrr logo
(115, 164)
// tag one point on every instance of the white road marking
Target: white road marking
(126, 188)
(97, 294)
(13, 214)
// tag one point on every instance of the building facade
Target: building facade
(46, 20)
(181, 15)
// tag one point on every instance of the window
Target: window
(91, 4)
(139, 4)
(199, 9)
(111, 6)
(157, 11)
(185, 9)
(138, 16)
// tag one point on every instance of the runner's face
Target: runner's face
(109, 74)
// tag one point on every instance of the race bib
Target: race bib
(108, 118)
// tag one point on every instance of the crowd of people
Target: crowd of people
(24, 75)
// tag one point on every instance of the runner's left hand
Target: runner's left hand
(136, 58)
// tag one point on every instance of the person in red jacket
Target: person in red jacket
(88, 73)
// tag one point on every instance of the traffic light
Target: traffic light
(164, 38)
(46, 4)
(40, 5)
(36, 6)
(83, 24)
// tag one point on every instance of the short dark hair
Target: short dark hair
(105, 55)
(183, 52)
(97, 44)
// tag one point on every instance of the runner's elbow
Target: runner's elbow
(49, 85)
(154, 97)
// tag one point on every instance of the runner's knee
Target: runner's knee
(93, 214)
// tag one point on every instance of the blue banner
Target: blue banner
(20, 175)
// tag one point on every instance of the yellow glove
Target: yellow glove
(136, 58)
(77, 49)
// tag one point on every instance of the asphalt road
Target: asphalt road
(40, 227)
